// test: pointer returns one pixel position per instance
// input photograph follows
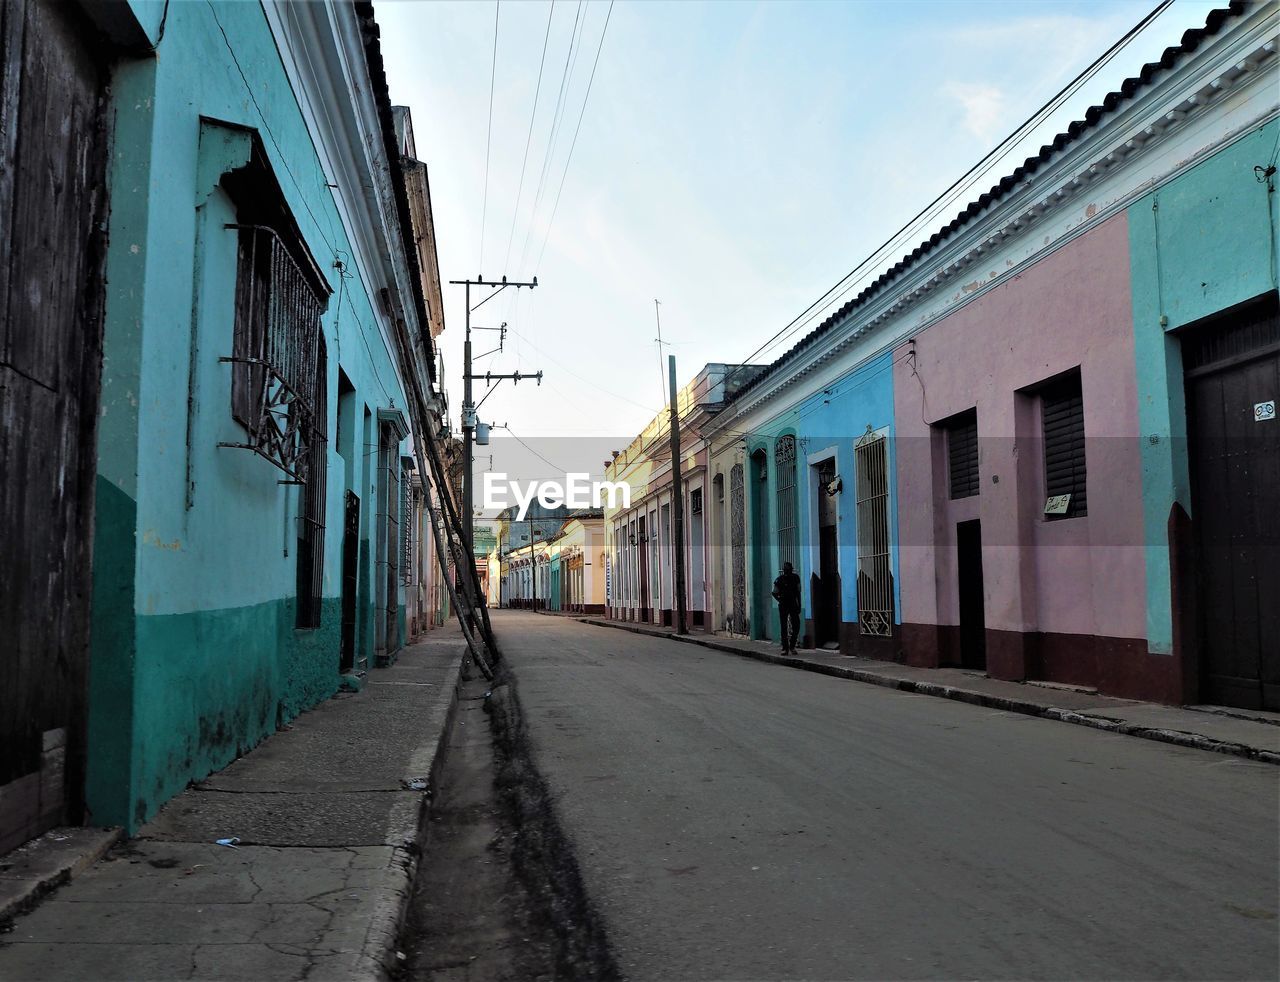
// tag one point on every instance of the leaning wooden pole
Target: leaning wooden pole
(423, 435)
(479, 602)
(443, 555)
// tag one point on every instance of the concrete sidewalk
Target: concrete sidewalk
(327, 816)
(1253, 735)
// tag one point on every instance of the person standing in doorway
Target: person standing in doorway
(786, 590)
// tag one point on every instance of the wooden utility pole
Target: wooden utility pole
(468, 406)
(677, 502)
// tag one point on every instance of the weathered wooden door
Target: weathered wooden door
(52, 211)
(1233, 382)
(350, 580)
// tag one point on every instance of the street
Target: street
(739, 820)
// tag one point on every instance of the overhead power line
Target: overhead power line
(581, 112)
(957, 189)
(529, 138)
(488, 143)
(565, 74)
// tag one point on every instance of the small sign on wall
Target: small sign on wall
(1264, 410)
(1057, 504)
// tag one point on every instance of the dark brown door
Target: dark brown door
(644, 572)
(973, 622)
(52, 209)
(1233, 380)
(350, 580)
(826, 585)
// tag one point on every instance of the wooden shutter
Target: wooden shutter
(1064, 454)
(962, 454)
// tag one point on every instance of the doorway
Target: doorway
(53, 212)
(1232, 370)
(350, 579)
(761, 567)
(826, 580)
(973, 622)
(644, 571)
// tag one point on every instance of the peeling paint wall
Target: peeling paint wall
(195, 652)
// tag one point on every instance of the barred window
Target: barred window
(784, 458)
(695, 501)
(407, 526)
(273, 378)
(875, 571)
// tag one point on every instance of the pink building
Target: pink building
(992, 404)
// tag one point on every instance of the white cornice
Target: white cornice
(321, 48)
(1211, 98)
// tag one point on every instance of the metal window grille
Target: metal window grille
(695, 502)
(406, 533)
(738, 546)
(273, 379)
(1062, 413)
(388, 544)
(784, 458)
(875, 573)
(962, 454)
(311, 521)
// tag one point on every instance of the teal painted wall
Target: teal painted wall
(195, 657)
(835, 417)
(1201, 243)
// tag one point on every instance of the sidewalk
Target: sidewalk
(1242, 733)
(328, 831)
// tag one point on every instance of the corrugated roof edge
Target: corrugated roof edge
(370, 34)
(1190, 41)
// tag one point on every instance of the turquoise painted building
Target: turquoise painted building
(800, 475)
(1204, 275)
(263, 290)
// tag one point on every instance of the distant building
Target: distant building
(640, 538)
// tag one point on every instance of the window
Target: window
(962, 453)
(280, 296)
(410, 494)
(1062, 417)
(695, 501)
(875, 574)
(784, 458)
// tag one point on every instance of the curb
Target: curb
(51, 864)
(377, 956)
(1178, 738)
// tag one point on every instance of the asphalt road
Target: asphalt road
(740, 820)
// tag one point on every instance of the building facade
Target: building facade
(640, 533)
(236, 538)
(1041, 444)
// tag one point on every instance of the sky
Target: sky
(734, 160)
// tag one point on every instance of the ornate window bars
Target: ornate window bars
(875, 570)
(277, 326)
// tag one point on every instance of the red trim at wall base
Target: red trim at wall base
(1120, 667)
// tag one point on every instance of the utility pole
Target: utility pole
(469, 407)
(677, 502)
